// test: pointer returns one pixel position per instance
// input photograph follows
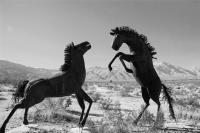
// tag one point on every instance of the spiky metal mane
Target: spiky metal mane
(67, 57)
(129, 32)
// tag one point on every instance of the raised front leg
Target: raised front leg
(110, 64)
(122, 57)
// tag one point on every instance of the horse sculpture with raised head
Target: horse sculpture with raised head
(141, 65)
(68, 82)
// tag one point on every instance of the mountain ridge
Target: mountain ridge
(13, 72)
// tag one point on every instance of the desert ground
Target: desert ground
(115, 107)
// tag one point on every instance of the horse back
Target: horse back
(62, 85)
(36, 88)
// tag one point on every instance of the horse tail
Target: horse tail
(19, 92)
(167, 96)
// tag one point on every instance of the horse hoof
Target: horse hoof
(2, 130)
(82, 124)
(25, 122)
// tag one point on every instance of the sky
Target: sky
(35, 32)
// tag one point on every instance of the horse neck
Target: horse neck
(141, 49)
(78, 64)
(78, 68)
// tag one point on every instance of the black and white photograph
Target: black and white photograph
(99, 66)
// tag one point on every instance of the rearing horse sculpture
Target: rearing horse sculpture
(69, 82)
(142, 67)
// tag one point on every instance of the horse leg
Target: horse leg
(154, 92)
(117, 55)
(158, 112)
(89, 100)
(19, 105)
(82, 105)
(25, 122)
(146, 98)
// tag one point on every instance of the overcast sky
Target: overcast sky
(35, 32)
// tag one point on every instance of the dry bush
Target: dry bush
(47, 131)
(113, 121)
(117, 121)
(124, 93)
(189, 101)
(105, 103)
(96, 96)
(51, 108)
(188, 116)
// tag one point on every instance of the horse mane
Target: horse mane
(67, 57)
(129, 32)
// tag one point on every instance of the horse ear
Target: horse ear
(117, 29)
(112, 33)
(153, 53)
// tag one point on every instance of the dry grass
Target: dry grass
(117, 121)
(116, 118)
(52, 110)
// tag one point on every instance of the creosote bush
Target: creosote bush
(96, 97)
(116, 120)
(105, 103)
(50, 109)
(147, 117)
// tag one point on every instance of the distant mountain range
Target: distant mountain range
(13, 72)
(165, 70)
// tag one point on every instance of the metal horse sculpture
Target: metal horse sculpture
(142, 67)
(69, 82)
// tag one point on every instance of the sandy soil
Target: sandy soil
(128, 104)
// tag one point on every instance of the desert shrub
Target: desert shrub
(193, 102)
(147, 117)
(105, 104)
(96, 96)
(124, 93)
(160, 119)
(67, 102)
(117, 121)
(50, 108)
(37, 130)
(179, 115)
(92, 126)
(189, 101)
(129, 88)
(190, 116)
(113, 121)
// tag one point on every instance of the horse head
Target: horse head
(74, 53)
(137, 42)
(122, 35)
